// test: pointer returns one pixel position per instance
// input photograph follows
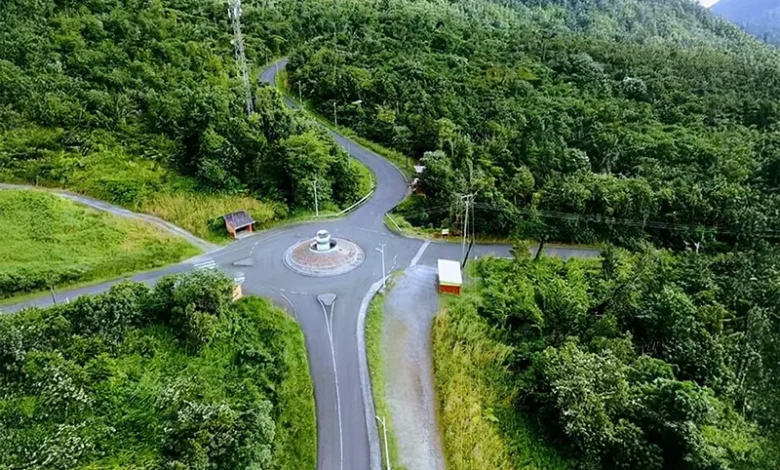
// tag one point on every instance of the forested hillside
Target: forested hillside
(644, 361)
(573, 120)
(758, 17)
(175, 377)
(137, 102)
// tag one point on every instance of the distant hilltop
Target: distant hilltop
(758, 17)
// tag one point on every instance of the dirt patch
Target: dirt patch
(409, 310)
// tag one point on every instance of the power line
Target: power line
(602, 219)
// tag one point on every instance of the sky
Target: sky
(708, 3)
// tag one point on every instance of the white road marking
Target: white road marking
(207, 263)
(419, 254)
(369, 230)
(329, 326)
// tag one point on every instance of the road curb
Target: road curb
(375, 452)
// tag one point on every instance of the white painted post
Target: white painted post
(384, 277)
(387, 450)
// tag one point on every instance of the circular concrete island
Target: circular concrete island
(323, 256)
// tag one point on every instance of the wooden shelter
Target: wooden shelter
(239, 221)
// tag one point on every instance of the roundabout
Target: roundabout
(323, 256)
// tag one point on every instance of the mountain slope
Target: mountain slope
(759, 17)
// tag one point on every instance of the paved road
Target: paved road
(347, 432)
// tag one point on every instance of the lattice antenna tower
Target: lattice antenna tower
(234, 11)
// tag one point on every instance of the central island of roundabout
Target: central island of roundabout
(324, 256)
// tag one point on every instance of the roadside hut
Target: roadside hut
(450, 277)
(239, 221)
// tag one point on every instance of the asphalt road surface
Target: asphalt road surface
(347, 431)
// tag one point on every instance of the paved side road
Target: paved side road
(406, 343)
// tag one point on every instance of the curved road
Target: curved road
(347, 432)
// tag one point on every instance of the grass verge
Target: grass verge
(47, 241)
(376, 365)
(481, 429)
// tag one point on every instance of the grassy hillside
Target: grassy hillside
(48, 241)
(177, 377)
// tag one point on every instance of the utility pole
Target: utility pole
(316, 202)
(387, 452)
(335, 115)
(234, 12)
(384, 277)
(468, 202)
(53, 294)
(300, 96)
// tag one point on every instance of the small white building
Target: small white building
(450, 277)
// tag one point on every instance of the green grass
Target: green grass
(48, 241)
(138, 184)
(376, 363)
(398, 159)
(200, 213)
(481, 428)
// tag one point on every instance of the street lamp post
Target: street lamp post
(384, 277)
(387, 453)
(316, 202)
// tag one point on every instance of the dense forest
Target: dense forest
(650, 360)
(574, 120)
(137, 102)
(175, 377)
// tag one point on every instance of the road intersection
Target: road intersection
(330, 310)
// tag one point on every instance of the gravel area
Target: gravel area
(409, 310)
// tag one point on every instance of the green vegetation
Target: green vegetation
(644, 361)
(575, 120)
(403, 163)
(475, 389)
(137, 103)
(376, 362)
(47, 241)
(177, 377)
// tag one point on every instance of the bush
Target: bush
(108, 381)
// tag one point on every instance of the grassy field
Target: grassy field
(378, 379)
(480, 428)
(48, 241)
